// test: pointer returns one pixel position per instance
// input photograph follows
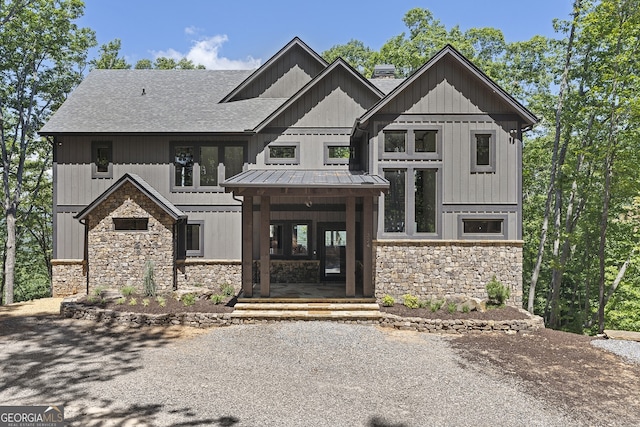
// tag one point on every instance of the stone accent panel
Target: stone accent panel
(435, 269)
(290, 271)
(209, 274)
(117, 258)
(69, 277)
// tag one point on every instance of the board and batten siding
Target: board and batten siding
(311, 146)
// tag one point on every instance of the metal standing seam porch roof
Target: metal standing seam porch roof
(305, 179)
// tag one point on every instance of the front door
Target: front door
(332, 241)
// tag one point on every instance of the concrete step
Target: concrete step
(312, 306)
(272, 300)
(307, 314)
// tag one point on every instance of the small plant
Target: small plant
(98, 290)
(188, 300)
(452, 307)
(217, 298)
(388, 301)
(227, 290)
(145, 302)
(121, 301)
(465, 308)
(128, 290)
(133, 301)
(148, 280)
(497, 292)
(161, 301)
(410, 301)
(436, 305)
(92, 299)
(424, 303)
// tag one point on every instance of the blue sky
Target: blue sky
(245, 33)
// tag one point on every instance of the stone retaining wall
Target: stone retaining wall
(68, 277)
(209, 320)
(434, 269)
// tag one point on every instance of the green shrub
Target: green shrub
(148, 280)
(188, 300)
(161, 301)
(133, 301)
(388, 301)
(410, 301)
(92, 299)
(128, 290)
(98, 290)
(436, 305)
(452, 307)
(465, 308)
(424, 303)
(217, 298)
(227, 290)
(145, 302)
(497, 292)
(121, 301)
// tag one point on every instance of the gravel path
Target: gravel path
(282, 374)
(630, 350)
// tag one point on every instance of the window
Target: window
(413, 141)
(194, 238)
(282, 154)
(130, 224)
(101, 159)
(336, 154)
(492, 226)
(289, 240)
(483, 151)
(411, 215)
(198, 166)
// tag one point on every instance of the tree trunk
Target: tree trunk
(10, 256)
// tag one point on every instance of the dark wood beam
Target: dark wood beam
(265, 264)
(247, 246)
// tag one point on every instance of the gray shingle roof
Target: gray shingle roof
(174, 101)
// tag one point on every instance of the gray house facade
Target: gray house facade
(384, 185)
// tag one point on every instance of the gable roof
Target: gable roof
(144, 188)
(338, 64)
(527, 116)
(174, 101)
(295, 43)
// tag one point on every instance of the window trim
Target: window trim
(335, 160)
(95, 145)
(197, 145)
(475, 167)
(410, 203)
(194, 252)
(410, 153)
(483, 217)
(295, 160)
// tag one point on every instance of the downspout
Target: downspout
(86, 251)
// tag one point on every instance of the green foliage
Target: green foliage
(133, 301)
(410, 301)
(127, 290)
(424, 303)
(388, 301)
(188, 299)
(109, 59)
(148, 279)
(497, 292)
(98, 290)
(227, 290)
(217, 298)
(436, 305)
(121, 301)
(465, 308)
(452, 307)
(162, 301)
(146, 302)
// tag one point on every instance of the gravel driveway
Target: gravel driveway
(282, 374)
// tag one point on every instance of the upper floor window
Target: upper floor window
(483, 151)
(101, 159)
(283, 153)
(411, 142)
(336, 154)
(203, 165)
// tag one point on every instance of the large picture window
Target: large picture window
(289, 239)
(415, 215)
(201, 166)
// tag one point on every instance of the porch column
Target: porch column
(247, 246)
(265, 265)
(367, 247)
(351, 247)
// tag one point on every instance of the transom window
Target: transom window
(283, 153)
(482, 226)
(201, 165)
(336, 154)
(289, 240)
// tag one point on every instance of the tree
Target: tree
(43, 52)
(109, 59)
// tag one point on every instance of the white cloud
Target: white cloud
(206, 51)
(192, 30)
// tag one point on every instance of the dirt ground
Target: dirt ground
(562, 369)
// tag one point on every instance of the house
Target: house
(383, 185)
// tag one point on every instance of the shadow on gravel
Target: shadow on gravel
(381, 422)
(49, 360)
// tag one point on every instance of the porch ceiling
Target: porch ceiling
(296, 182)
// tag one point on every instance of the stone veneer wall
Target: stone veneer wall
(68, 277)
(117, 258)
(433, 269)
(209, 274)
(290, 271)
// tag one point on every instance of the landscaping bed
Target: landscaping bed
(496, 314)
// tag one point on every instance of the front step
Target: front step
(307, 311)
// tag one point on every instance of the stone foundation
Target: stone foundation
(290, 271)
(436, 269)
(209, 274)
(69, 277)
